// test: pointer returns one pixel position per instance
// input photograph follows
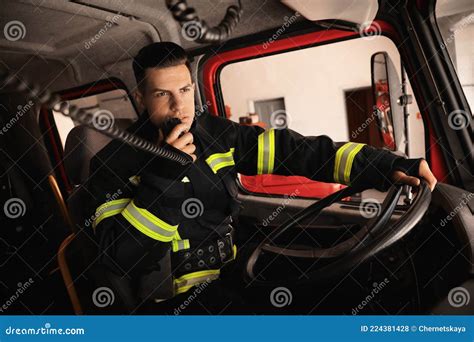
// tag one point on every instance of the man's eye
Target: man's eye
(161, 94)
(185, 90)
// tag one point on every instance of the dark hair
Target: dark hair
(158, 55)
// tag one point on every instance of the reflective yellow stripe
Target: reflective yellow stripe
(179, 245)
(215, 156)
(149, 224)
(217, 161)
(343, 162)
(108, 209)
(260, 154)
(185, 282)
(266, 152)
(271, 159)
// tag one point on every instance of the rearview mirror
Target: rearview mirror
(386, 90)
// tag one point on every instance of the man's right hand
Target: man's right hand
(182, 142)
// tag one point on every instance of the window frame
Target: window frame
(211, 65)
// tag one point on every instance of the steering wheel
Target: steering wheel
(374, 236)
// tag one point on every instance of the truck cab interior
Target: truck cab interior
(393, 74)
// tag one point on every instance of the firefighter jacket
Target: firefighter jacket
(146, 208)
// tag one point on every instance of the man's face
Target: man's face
(168, 93)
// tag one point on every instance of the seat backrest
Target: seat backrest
(82, 143)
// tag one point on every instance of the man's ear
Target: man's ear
(140, 100)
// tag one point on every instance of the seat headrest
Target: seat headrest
(82, 143)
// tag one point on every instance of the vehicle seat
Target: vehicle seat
(78, 253)
(82, 143)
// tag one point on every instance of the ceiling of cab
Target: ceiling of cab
(361, 12)
(80, 41)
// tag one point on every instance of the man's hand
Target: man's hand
(182, 142)
(424, 172)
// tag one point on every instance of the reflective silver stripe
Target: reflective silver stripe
(217, 161)
(148, 224)
(343, 161)
(179, 245)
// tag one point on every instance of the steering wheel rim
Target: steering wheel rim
(375, 236)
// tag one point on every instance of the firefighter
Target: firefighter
(171, 227)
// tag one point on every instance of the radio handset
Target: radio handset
(169, 125)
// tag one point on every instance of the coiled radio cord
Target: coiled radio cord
(188, 18)
(53, 101)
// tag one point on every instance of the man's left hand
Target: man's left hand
(424, 172)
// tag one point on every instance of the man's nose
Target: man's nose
(178, 104)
